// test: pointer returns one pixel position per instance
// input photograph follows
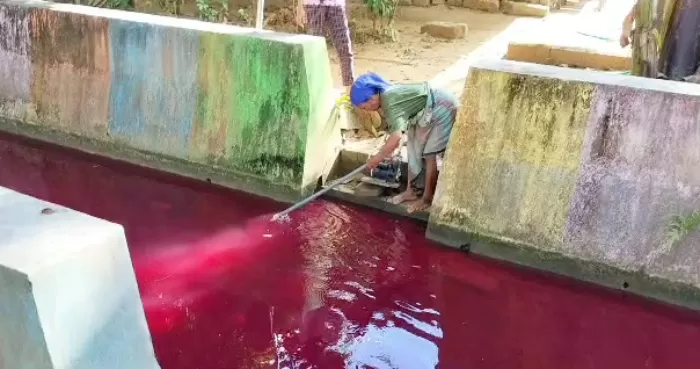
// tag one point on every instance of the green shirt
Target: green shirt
(402, 102)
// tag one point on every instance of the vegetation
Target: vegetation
(682, 225)
(213, 10)
(113, 4)
(383, 12)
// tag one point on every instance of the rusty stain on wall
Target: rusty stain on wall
(70, 84)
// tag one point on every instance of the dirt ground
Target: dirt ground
(416, 56)
(413, 56)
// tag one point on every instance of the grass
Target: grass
(682, 225)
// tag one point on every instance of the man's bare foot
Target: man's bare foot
(418, 205)
(407, 195)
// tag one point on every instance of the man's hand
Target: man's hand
(624, 39)
(627, 25)
(374, 161)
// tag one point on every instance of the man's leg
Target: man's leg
(340, 35)
(431, 178)
(315, 20)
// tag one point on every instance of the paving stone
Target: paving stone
(491, 6)
(446, 30)
(525, 9)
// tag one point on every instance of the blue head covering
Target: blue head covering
(366, 86)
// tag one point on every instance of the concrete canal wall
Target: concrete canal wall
(576, 172)
(243, 108)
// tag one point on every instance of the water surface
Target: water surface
(339, 286)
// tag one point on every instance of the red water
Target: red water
(338, 287)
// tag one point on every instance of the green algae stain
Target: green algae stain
(514, 156)
(214, 102)
(254, 100)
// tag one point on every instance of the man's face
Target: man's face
(371, 104)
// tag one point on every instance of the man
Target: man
(665, 40)
(321, 16)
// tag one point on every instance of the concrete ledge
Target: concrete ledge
(68, 294)
(251, 102)
(540, 53)
(586, 270)
(588, 166)
(207, 173)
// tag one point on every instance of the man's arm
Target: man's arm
(627, 25)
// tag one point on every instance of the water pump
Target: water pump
(386, 174)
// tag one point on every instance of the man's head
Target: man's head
(365, 91)
(372, 104)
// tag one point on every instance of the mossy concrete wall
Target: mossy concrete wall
(245, 108)
(576, 172)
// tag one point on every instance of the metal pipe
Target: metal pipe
(346, 178)
(259, 14)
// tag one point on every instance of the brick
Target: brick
(491, 6)
(562, 55)
(586, 58)
(530, 53)
(525, 9)
(445, 30)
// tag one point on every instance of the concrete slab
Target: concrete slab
(68, 293)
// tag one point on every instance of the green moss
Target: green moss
(253, 106)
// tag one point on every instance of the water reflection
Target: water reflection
(350, 265)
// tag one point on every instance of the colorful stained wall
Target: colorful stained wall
(576, 172)
(244, 108)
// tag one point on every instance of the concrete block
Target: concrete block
(570, 171)
(68, 294)
(491, 6)
(541, 53)
(525, 9)
(446, 30)
(454, 2)
(423, 3)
